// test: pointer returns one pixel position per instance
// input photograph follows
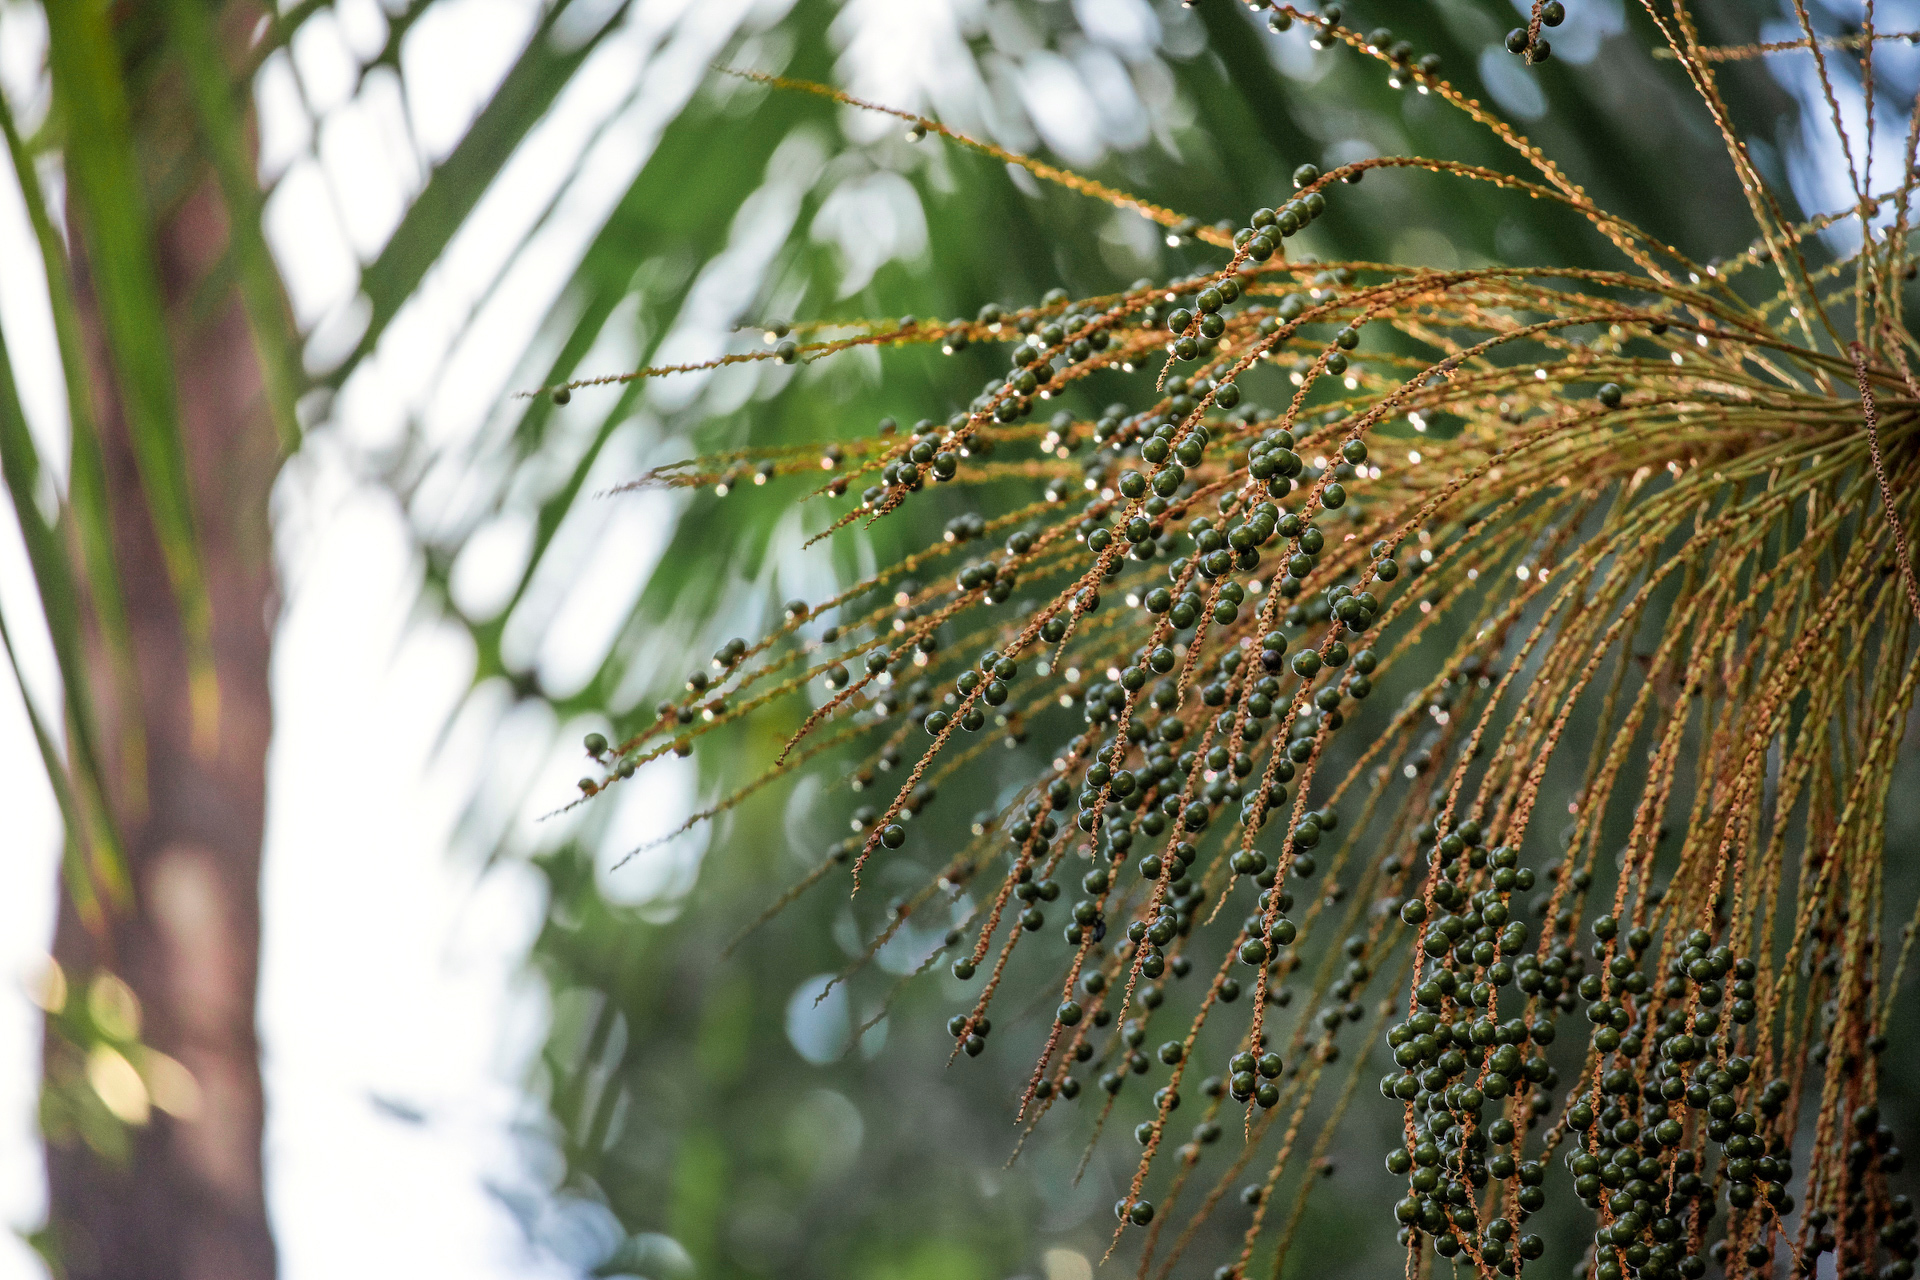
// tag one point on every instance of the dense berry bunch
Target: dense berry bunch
(1656, 509)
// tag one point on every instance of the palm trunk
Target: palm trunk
(189, 1204)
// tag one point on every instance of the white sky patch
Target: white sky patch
(594, 612)
(361, 150)
(453, 56)
(34, 355)
(1127, 26)
(490, 563)
(1007, 122)
(363, 27)
(396, 1023)
(1065, 114)
(871, 221)
(325, 65)
(913, 57)
(637, 863)
(1123, 117)
(286, 131)
(23, 54)
(303, 229)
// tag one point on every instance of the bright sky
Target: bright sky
(397, 1021)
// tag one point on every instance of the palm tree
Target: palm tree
(156, 565)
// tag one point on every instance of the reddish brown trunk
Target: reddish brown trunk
(189, 1205)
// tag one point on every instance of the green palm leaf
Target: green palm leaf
(123, 275)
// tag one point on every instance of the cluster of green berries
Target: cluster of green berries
(597, 747)
(1552, 14)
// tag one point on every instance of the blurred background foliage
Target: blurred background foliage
(705, 1115)
(690, 1088)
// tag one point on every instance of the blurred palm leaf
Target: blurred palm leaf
(122, 276)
